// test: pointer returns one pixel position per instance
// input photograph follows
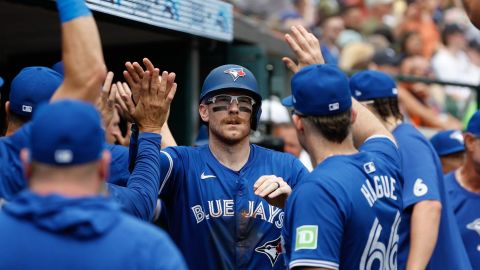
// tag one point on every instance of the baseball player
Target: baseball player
(224, 200)
(63, 221)
(346, 213)
(429, 236)
(463, 187)
(450, 148)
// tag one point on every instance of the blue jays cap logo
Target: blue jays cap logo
(235, 73)
(273, 250)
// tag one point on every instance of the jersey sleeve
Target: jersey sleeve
(314, 227)
(298, 171)
(119, 172)
(419, 173)
(384, 146)
(139, 197)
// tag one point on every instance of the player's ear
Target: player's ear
(354, 116)
(104, 165)
(27, 166)
(7, 108)
(298, 123)
(469, 141)
(203, 111)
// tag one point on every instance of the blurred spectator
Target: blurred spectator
(418, 18)
(356, 56)
(381, 38)
(386, 60)
(331, 29)
(379, 15)
(422, 102)
(352, 17)
(451, 63)
(302, 13)
(411, 44)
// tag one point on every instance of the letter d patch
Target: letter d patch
(307, 236)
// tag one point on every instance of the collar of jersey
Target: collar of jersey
(250, 160)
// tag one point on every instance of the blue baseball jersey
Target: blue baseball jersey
(346, 212)
(465, 205)
(136, 197)
(214, 216)
(423, 180)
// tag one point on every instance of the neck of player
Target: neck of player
(321, 149)
(468, 177)
(232, 156)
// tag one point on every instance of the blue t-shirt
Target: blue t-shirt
(346, 212)
(54, 232)
(214, 216)
(466, 207)
(423, 180)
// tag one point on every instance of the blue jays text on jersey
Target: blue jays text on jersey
(347, 218)
(214, 216)
(423, 180)
(465, 205)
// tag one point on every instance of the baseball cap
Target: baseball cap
(66, 133)
(319, 90)
(372, 84)
(447, 142)
(386, 57)
(32, 86)
(473, 125)
(58, 67)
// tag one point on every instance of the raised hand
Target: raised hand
(273, 189)
(134, 74)
(305, 46)
(155, 97)
(106, 101)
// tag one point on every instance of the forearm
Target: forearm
(82, 53)
(366, 125)
(424, 229)
(167, 137)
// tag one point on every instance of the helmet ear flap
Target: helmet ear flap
(257, 112)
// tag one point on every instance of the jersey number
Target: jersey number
(386, 256)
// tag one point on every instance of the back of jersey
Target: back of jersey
(346, 213)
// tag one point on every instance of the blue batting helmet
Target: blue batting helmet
(236, 77)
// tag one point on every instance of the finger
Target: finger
(133, 74)
(108, 82)
(260, 181)
(300, 38)
(148, 64)
(121, 102)
(162, 90)
(290, 64)
(138, 69)
(269, 188)
(294, 46)
(126, 89)
(145, 84)
(129, 104)
(285, 189)
(265, 184)
(172, 92)
(112, 97)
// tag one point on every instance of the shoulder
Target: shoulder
(262, 152)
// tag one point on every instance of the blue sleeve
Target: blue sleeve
(315, 222)
(12, 178)
(139, 197)
(119, 172)
(420, 173)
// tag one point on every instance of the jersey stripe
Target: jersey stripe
(167, 176)
(313, 263)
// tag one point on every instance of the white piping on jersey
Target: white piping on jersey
(381, 136)
(170, 161)
(314, 263)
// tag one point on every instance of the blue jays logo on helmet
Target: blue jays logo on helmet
(273, 249)
(235, 73)
(226, 77)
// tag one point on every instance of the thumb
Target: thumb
(290, 64)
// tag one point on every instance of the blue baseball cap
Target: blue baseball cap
(371, 84)
(474, 124)
(447, 142)
(65, 133)
(319, 90)
(32, 86)
(58, 67)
